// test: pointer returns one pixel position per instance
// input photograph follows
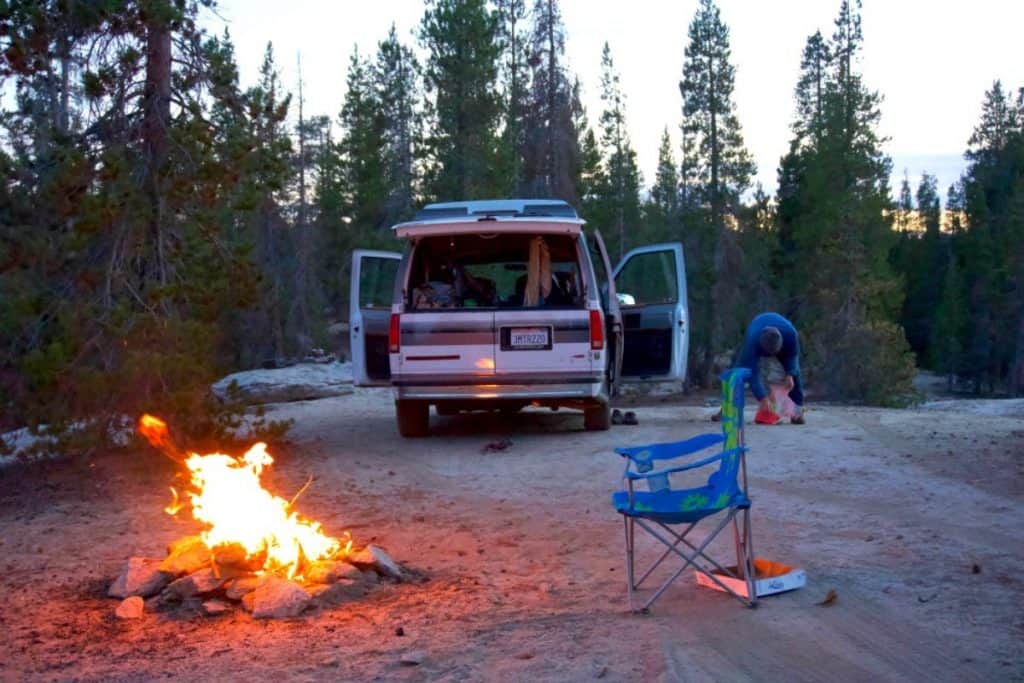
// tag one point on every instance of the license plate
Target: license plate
(529, 338)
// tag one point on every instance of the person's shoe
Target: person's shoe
(616, 416)
(630, 418)
(717, 417)
(797, 419)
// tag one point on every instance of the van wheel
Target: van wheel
(597, 418)
(413, 418)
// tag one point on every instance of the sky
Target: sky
(931, 60)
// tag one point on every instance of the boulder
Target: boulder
(296, 383)
(277, 598)
(141, 577)
(186, 555)
(130, 608)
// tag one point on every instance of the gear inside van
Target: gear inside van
(501, 270)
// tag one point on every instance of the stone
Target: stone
(197, 583)
(212, 608)
(412, 658)
(186, 555)
(329, 571)
(130, 608)
(235, 589)
(141, 577)
(277, 598)
(372, 557)
(247, 601)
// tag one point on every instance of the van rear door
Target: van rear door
(546, 338)
(370, 296)
(444, 340)
(651, 286)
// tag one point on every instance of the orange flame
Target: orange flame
(232, 503)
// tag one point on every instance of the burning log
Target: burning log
(186, 555)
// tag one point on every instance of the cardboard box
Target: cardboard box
(771, 578)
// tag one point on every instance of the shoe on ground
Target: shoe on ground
(630, 418)
(616, 416)
(717, 417)
(797, 419)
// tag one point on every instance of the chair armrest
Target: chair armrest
(682, 468)
(672, 449)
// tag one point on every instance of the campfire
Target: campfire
(255, 550)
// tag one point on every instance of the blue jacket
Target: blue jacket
(750, 355)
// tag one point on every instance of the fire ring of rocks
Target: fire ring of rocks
(217, 581)
(256, 550)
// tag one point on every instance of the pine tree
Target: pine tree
(551, 154)
(810, 88)
(723, 164)
(990, 245)
(515, 78)
(362, 139)
(397, 82)
(835, 236)
(461, 39)
(921, 260)
(905, 205)
(946, 347)
(123, 193)
(661, 210)
(717, 170)
(619, 207)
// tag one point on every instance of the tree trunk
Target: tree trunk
(156, 120)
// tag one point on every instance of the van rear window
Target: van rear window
(502, 270)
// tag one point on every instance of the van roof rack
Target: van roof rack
(494, 208)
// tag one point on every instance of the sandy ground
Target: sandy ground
(914, 517)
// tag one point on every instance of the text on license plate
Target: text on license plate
(528, 337)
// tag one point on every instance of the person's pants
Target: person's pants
(797, 392)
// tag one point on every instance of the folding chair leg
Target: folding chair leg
(745, 555)
(629, 557)
(748, 559)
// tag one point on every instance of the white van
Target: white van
(501, 304)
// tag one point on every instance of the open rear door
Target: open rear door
(651, 286)
(610, 304)
(370, 297)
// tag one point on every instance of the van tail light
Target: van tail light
(394, 333)
(596, 330)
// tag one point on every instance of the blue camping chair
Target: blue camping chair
(671, 514)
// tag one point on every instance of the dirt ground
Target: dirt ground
(914, 517)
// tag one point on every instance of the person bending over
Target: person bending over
(772, 335)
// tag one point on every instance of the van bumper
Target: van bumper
(497, 387)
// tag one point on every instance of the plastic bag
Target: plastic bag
(782, 404)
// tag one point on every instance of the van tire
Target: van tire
(597, 418)
(413, 418)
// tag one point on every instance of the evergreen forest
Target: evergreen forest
(163, 224)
